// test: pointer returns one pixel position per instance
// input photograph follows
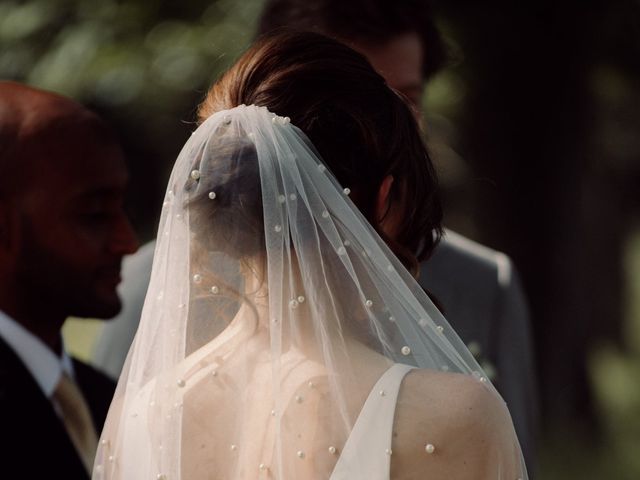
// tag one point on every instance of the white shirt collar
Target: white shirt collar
(44, 365)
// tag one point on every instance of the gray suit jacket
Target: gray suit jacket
(477, 287)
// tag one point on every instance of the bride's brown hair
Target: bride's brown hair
(362, 129)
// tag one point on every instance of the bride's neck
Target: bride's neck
(296, 324)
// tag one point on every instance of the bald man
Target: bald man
(63, 233)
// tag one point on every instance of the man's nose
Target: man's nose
(124, 240)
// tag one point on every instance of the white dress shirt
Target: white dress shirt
(44, 365)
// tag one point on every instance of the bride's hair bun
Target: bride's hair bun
(362, 129)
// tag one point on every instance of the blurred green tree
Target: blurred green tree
(142, 64)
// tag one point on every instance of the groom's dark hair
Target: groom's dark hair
(369, 22)
(362, 129)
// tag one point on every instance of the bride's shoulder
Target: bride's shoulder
(464, 397)
(453, 424)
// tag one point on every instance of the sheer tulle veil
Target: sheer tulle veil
(272, 310)
(275, 309)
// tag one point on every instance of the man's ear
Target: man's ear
(383, 202)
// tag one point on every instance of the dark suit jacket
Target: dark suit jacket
(33, 441)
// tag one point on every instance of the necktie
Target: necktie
(77, 419)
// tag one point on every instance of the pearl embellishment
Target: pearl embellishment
(388, 451)
(440, 328)
(325, 214)
(405, 350)
(195, 174)
(262, 466)
(429, 448)
(214, 290)
(300, 454)
(300, 299)
(281, 120)
(197, 278)
(347, 191)
(212, 195)
(368, 303)
(277, 228)
(332, 450)
(233, 448)
(181, 383)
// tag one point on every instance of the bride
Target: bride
(283, 335)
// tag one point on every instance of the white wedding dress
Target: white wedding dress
(367, 452)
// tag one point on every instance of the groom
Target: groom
(63, 233)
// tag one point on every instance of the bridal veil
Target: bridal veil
(273, 309)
